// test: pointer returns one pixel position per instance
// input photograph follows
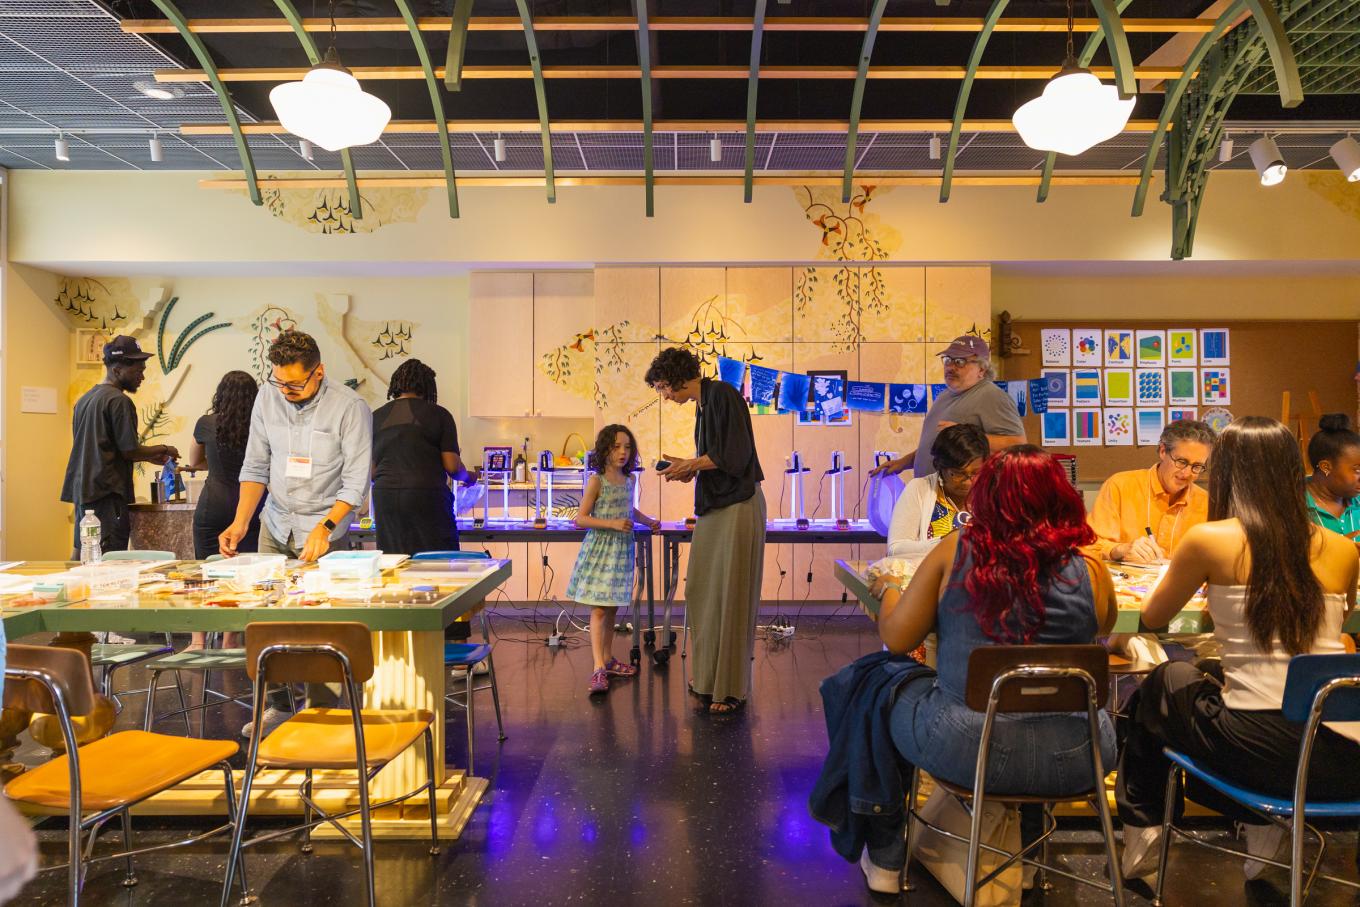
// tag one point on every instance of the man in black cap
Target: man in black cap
(105, 445)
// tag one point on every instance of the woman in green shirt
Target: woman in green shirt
(1334, 487)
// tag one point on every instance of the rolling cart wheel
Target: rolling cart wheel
(660, 657)
(674, 637)
(635, 656)
(649, 638)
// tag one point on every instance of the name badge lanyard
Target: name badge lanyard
(301, 467)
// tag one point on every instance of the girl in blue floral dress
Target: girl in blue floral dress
(603, 575)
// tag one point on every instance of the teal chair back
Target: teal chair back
(141, 556)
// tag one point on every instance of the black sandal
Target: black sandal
(706, 698)
(724, 707)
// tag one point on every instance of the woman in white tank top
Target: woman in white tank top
(1278, 586)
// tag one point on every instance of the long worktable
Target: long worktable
(408, 640)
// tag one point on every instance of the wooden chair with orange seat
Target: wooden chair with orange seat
(349, 737)
(96, 781)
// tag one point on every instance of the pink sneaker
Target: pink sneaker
(616, 668)
(599, 682)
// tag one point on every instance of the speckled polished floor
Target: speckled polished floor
(636, 799)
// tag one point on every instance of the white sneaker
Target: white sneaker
(883, 881)
(1142, 851)
(272, 718)
(1267, 841)
(1027, 878)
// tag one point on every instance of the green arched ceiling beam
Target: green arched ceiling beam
(965, 89)
(458, 29)
(1087, 54)
(1173, 99)
(752, 82)
(1236, 64)
(527, 21)
(1281, 51)
(436, 101)
(644, 42)
(1118, 43)
(857, 98)
(356, 204)
(209, 68)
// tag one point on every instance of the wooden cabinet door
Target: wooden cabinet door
(564, 314)
(500, 345)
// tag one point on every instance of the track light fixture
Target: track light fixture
(1269, 163)
(1346, 153)
(61, 148)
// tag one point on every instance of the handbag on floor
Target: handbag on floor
(947, 859)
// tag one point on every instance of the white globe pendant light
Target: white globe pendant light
(328, 107)
(1076, 110)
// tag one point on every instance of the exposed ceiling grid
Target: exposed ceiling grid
(67, 66)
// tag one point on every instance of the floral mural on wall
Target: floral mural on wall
(106, 303)
(849, 234)
(328, 211)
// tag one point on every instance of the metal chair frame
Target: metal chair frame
(1024, 674)
(470, 687)
(1299, 887)
(366, 775)
(80, 858)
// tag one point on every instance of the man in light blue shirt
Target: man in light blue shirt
(310, 446)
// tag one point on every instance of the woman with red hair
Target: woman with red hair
(1014, 575)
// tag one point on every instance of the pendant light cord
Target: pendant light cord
(332, 10)
(1071, 26)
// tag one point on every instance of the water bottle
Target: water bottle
(90, 531)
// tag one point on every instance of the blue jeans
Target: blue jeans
(1030, 754)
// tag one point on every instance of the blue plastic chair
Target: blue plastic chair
(1317, 688)
(468, 655)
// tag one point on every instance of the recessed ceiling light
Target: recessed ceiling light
(159, 92)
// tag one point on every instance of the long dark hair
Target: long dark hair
(1258, 478)
(604, 443)
(232, 403)
(413, 377)
(1027, 523)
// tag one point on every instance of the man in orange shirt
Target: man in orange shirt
(1140, 515)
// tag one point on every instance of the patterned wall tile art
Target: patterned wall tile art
(1150, 387)
(1215, 389)
(1119, 427)
(1088, 347)
(1150, 423)
(1151, 348)
(1182, 346)
(1118, 347)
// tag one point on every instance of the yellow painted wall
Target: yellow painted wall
(37, 352)
(166, 222)
(1169, 295)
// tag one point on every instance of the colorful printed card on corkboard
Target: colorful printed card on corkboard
(1182, 346)
(1087, 345)
(1182, 386)
(1086, 424)
(1151, 349)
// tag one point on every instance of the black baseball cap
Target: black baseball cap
(123, 349)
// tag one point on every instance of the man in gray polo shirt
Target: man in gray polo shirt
(970, 397)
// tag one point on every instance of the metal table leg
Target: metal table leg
(635, 655)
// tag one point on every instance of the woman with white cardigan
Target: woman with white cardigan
(933, 506)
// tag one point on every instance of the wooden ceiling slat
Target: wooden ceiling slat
(846, 73)
(667, 23)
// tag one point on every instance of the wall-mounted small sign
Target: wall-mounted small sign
(38, 400)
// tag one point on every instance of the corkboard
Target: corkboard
(1268, 358)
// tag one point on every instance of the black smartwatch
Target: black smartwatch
(329, 524)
